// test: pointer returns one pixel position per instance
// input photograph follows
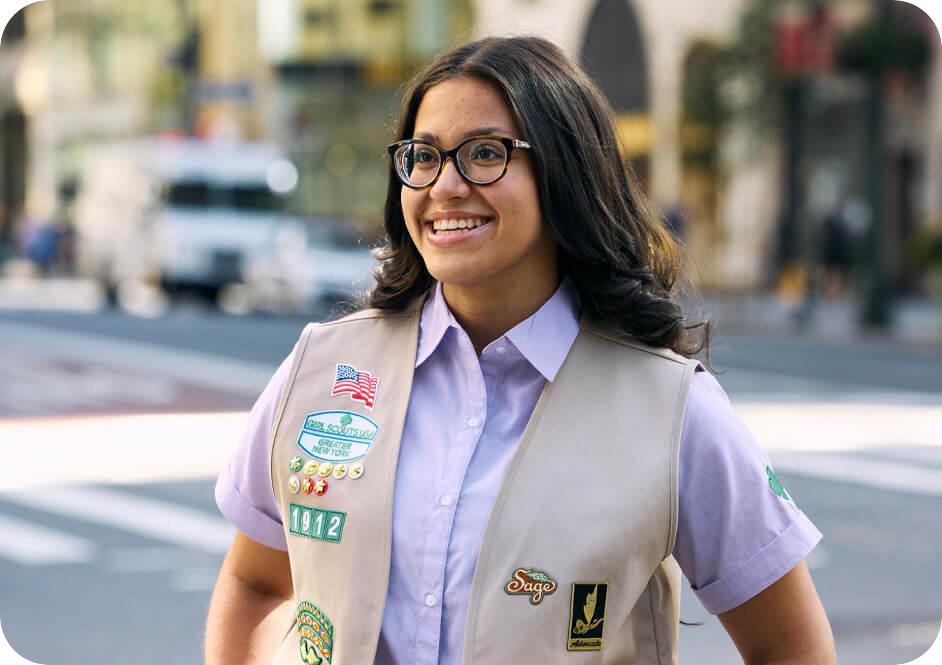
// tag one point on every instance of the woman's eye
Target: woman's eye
(425, 156)
(485, 153)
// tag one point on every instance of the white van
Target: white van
(188, 213)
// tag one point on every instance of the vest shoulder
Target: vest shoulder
(369, 315)
(634, 346)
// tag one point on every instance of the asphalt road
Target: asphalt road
(109, 557)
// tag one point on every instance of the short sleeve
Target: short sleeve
(738, 529)
(243, 490)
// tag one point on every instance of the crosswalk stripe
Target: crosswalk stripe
(35, 545)
(861, 471)
(215, 372)
(152, 518)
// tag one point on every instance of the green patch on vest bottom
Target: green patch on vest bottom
(315, 634)
(587, 616)
(317, 524)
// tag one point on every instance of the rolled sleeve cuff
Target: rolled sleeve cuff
(762, 569)
(247, 518)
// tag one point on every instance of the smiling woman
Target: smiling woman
(509, 455)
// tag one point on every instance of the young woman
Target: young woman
(506, 456)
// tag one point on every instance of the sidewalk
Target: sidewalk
(913, 321)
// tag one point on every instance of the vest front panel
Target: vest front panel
(588, 505)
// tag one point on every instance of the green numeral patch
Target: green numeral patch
(317, 524)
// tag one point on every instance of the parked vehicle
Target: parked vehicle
(316, 263)
(186, 213)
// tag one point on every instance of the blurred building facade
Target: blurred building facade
(12, 130)
(322, 79)
(643, 53)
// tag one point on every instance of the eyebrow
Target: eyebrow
(478, 131)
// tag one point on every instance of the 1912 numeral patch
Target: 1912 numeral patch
(325, 525)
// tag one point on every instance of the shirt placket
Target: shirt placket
(448, 481)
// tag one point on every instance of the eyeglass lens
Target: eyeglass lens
(481, 161)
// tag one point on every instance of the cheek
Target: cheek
(409, 200)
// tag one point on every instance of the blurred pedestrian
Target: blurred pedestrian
(836, 252)
(506, 456)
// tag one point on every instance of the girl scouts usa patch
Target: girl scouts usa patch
(587, 616)
(337, 436)
(315, 633)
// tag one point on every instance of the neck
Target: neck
(487, 313)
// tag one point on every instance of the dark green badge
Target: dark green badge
(587, 616)
(775, 484)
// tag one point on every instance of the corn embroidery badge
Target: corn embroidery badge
(587, 616)
(531, 582)
(315, 633)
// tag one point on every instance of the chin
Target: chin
(457, 273)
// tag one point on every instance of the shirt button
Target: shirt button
(501, 349)
(445, 500)
(473, 422)
(430, 600)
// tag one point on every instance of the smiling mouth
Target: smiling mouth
(446, 227)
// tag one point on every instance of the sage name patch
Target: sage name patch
(326, 525)
(337, 436)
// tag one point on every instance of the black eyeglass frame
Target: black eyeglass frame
(443, 154)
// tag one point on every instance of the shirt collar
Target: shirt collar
(544, 338)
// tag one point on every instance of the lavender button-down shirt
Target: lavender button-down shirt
(466, 415)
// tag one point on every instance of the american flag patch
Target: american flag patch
(361, 386)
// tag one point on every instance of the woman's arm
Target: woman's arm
(250, 611)
(783, 625)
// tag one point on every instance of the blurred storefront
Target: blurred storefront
(339, 67)
(12, 131)
(725, 181)
(751, 196)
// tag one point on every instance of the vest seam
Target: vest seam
(283, 402)
(683, 391)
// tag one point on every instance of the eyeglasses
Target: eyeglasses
(481, 160)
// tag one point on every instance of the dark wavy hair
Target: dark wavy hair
(623, 262)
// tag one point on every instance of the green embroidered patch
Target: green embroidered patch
(317, 524)
(775, 484)
(316, 634)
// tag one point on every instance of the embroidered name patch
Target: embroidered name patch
(315, 634)
(326, 525)
(531, 582)
(587, 616)
(337, 436)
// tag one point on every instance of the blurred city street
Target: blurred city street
(114, 427)
(183, 185)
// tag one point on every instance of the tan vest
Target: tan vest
(575, 564)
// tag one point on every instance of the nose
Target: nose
(450, 184)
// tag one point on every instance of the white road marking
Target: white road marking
(29, 544)
(861, 471)
(99, 449)
(159, 520)
(199, 369)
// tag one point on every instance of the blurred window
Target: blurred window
(188, 195)
(251, 198)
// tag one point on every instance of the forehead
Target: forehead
(459, 107)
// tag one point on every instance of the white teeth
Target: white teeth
(453, 224)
